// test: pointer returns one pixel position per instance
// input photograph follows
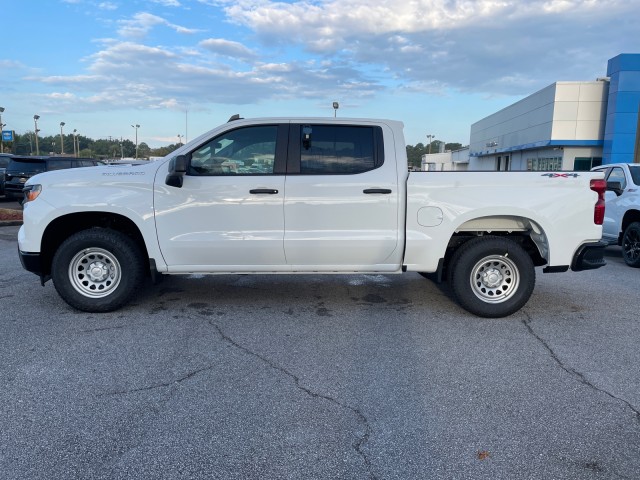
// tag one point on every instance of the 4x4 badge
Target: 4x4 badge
(563, 175)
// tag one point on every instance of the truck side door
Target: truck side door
(228, 214)
(342, 199)
(615, 206)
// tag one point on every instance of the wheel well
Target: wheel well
(522, 239)
(63, 227)
(526, 233)
(630, 216)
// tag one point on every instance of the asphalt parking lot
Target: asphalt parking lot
(320, 377)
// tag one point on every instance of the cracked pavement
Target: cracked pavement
(323, 377)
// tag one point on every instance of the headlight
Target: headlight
(31, 192)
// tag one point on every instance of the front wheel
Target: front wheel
(97, 270)
(491, 276)
(631, 245)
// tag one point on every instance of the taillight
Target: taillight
(599, 186)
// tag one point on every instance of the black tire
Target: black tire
(117, 270)
(631, 245)
(491, 276)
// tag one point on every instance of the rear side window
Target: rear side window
(85, 163)
(58, 164)
(26, 166)
(339, 149)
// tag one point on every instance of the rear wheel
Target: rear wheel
(491, 276)
(631, 245)
(97, 270)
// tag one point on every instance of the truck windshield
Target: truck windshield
(635, 173)
(26, 166)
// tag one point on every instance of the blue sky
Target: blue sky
(182, 67)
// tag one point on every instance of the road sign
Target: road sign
(7, 135)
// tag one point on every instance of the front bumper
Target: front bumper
(32, 262)
(589, 256)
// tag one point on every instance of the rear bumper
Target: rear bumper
(589, 256)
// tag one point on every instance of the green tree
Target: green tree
(164, 151)
(143, 150)
(415, 153)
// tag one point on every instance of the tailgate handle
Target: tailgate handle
(377, 190)
(267, 191)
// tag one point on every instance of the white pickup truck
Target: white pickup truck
(307, 195)
(622, 206)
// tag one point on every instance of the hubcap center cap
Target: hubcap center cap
(492, 277)
(98, 272)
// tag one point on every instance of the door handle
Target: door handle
(377, 190)
(267, 191)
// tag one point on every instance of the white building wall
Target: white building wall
(447, 161)
(528, 121)
(562, 113)
(580, 110)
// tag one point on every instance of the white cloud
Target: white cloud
(227, 48)
(352, 49)
(143, 22)
(168, 3)
(107, 6)
(496, 46)
(132, 75)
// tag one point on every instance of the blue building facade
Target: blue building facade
(621, 135)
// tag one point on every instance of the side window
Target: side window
(617, 175)
(339, 149)
(245, 151)
(85, 163)
(58, 164)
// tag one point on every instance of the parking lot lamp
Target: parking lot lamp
(75, 152)
(1, 127)
(430, 137)
(136, 126)
(61, 139)
(336, 106)
(35, 122)
(179, 140)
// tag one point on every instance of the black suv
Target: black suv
(21, 168)
(4, 161)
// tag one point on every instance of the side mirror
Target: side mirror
(177, 169)
(615, 187)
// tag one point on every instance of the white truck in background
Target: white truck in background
(307, 195)
(622, 213)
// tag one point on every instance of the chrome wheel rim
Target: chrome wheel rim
(95, 272)
(495, 279)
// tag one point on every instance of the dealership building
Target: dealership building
(565, 126)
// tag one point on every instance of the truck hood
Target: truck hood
(101, 175)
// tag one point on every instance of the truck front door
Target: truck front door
(228, 214)
(615, 206)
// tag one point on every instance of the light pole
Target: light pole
(136, 126)
(179, 140)
(1, 127)
(35, 121)
(62, 124)
(430, 137)
(75, 152)
(336, 106)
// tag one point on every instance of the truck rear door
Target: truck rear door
(342, 199)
